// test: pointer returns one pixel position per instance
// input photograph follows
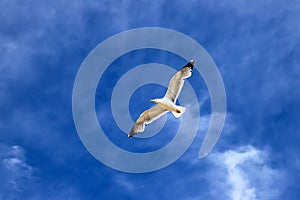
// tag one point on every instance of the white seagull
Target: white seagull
(167, 103)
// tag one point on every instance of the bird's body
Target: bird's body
(165, 104)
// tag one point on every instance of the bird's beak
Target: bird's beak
(152, 100)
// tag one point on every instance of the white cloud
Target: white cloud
(248, 174)
(15, 170)
(20, 180)
(240, 185)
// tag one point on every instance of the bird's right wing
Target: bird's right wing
(145, 118)
(177, 81)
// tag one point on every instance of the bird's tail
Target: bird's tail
(179, 111)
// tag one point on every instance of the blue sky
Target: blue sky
(255, 46)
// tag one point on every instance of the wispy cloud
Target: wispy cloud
(21, 180)
(15, 171)
(248, 174)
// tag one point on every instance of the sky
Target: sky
(255, 47)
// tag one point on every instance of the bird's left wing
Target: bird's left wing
(145, 118)
(177, 81)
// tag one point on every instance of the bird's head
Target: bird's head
(154, 100)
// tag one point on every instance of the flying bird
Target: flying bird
(167, 103)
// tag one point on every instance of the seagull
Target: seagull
(165, 104)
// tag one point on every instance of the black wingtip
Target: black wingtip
(190, 64)
(129, 136)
